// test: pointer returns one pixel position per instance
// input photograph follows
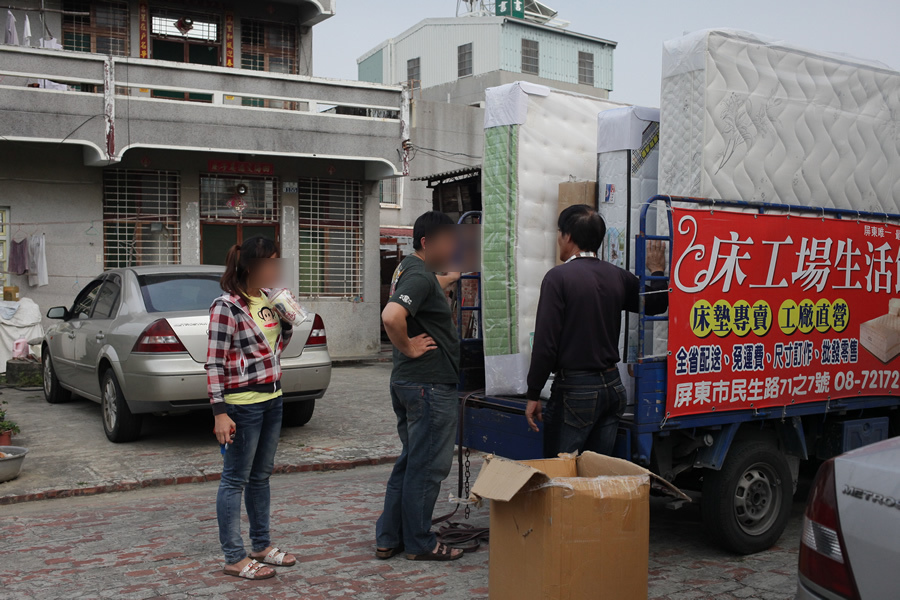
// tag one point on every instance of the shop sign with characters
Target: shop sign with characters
(773, 309)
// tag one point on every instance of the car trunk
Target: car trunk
(192, 329)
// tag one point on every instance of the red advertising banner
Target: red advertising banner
(773, 310)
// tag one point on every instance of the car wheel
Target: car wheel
(298, 414)
(53, 392)
(746, 505)
(119, 424)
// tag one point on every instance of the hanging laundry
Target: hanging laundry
(12, 35)
(37, 261)
(18, 257)
(26, 33)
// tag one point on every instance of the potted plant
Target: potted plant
(8, 428)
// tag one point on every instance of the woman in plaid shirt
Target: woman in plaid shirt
(246, 338)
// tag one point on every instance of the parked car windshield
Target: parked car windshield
(179, 291)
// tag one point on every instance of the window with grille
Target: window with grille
(531, 57)
(331, 238)
(464, 60)
(268, 46)
(229, 197)
(414, 72)
(141, 214)
(389, 192)
(204, 27)
(102, 30)
(586, 68)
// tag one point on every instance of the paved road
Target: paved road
(161, 543)
(68, 449)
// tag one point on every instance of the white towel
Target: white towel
(26, 33)
(12, 35)
(37, 261)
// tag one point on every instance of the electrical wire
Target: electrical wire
(444, 158)
(448, 152)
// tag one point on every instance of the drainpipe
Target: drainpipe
(109, 107)
(405, 100)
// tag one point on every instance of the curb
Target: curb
(127, 486)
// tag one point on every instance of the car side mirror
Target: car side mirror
(58, 312)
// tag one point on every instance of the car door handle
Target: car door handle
(100, 337)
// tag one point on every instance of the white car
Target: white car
(850, 549)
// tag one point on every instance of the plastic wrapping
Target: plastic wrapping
(524, 163)
(745, 118)
(627, 171)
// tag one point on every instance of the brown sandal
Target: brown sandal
(443, 553)
(253, 570)
(386, 553)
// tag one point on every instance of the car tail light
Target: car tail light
(823, 560)
(317, 333)
(159, 337)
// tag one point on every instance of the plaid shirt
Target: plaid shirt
(239, 358)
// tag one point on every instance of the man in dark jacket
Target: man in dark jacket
(579, 320)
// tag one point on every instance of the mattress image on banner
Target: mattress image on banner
(769, 310)
(535, 139)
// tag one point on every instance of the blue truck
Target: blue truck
(743, 463)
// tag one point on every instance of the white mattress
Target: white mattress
(556, 141)
(747, 119)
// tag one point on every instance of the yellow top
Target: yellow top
(267, 319)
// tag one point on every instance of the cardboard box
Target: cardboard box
(576, 192)
(567, 528)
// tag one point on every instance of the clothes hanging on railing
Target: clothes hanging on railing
(12, 35)
(18, 256)
(37, 261)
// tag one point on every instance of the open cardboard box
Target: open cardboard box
(568, 528)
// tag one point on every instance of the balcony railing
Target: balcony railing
(67, 87)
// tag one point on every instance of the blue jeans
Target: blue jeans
(583, 413)
(427, 416)
(248, 464)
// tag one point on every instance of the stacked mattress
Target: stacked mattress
(535, 138)
(747, 119)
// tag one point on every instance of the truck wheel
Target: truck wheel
(53, 392)
(298, 414)
(119, 424)
(746, 505)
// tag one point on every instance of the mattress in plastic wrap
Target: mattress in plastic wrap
(745, 118)
(535, 139)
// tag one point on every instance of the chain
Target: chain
(468, 475)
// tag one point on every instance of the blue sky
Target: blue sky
(863, 28)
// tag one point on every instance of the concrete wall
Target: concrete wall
(470, 90)
(448, 127)
(43, 183)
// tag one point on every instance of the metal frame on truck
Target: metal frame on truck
(745, 462)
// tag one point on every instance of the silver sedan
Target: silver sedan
(135, 341)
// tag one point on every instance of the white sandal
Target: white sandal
(276, 557)
(252, 571)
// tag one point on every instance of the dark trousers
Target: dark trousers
(427, 415)
(583, 413)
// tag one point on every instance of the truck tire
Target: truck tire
(53, 392)
(746, 505)
(119, 423)
(298, 414)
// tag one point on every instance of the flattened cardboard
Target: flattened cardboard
(555, 536)
(577, 192)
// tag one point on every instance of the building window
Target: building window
(531, 57)
(204, 27)
(268, 46)
(141, 218)
(586, 68)
(414, 72)
(464, 60)
(230, 197)
(331, 238)
(104, 30)
(389, 192)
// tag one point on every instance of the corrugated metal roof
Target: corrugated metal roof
(456, 173)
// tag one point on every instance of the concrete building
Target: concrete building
(136, 132)
(448, 63)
